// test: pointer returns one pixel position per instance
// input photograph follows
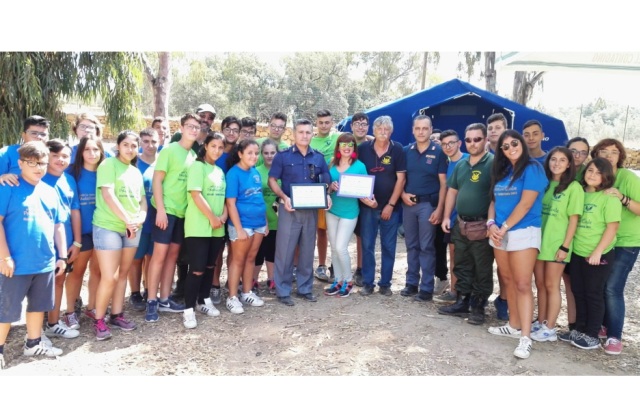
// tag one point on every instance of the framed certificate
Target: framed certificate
(308, 196)
(356, 186)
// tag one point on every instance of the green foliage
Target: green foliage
(39, 82)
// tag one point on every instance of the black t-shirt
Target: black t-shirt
(384, 168)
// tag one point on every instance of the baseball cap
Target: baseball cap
(206, 108)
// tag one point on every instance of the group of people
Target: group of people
(134, 214)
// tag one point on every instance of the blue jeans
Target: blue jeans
(370, 221)
(614, 290)
(419, 236)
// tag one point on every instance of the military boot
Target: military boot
(460, 308)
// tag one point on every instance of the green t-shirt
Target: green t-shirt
(599, 209)
(580, 172)
(325, 145)
(210, 181)
(628, 184)
(126, 181)
(556, 210)
(177, 136)
(174, 161)
(269, 197)
(283, 145)
(474, 186)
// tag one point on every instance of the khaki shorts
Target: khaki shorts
(322, 219)
(517, 240)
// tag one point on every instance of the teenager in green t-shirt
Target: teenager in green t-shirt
(561, 208)
(593, 252)
(203, 227)
(121, 207)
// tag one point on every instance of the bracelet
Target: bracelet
(77, 244)
(563, 248)
(65, 259)
(491, 223)
(505, 225)
(392, 205)
(627, 202)
(9, 258)
(622, 198)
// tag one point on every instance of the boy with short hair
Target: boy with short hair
(29, 226)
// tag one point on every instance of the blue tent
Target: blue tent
(456, 104)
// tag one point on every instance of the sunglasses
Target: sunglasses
(344, 145)
(475, 140)
(514, 143)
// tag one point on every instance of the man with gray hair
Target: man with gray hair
(384, 159)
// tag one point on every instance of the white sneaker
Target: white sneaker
(208, 308)
(251, 299)
(440, 286)
(42, 349)
(544, 333)
(60, 330)
(234, 305)
(43, 337)
(1, 361)
(189, 318)
(505, 331)
(523, 351)
(536, 325)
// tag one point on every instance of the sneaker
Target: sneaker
(568, 336)
(251, 299)
(586, 342)
(385, 290)
(77, 307)
(502, 308)
(255, 288)
(613, 346)
(60, 330)
(189, 318)
(136, 301)
(505, 331)
(440, 286)
(366, 290)
(234, 305)
(121, 322)
(90, 313)
(170, 305)
(602, 333)
(208, 309)
(41, 349)
(271, 284)
(43, 337)
(321, 273)
(544, 333)
(446, 297)
(357, 277)
(423, 296)
(1, 361)
(215, 294)
(523, 351)
(333, 289)
(345, 290)
(71, 321)
(535, 326)
(152, 311)
(409, 290)
(101, 330)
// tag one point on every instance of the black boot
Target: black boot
(460, 308)
(477, 311)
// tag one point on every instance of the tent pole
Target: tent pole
(624, 132)
(580, 120)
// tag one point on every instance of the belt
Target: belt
(471, 219)
(423, 198)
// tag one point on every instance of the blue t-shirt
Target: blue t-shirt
(222, 162)
(346, 207)
(540, 159)
(107, 152)
(450, 168)
(246, 188)
(86, 183)
(147, 179)
(67, 191)
(507, 197)
(30, 214)
(9, 157)
(423, 169)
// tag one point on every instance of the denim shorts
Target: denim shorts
(233, 233)
(520, 239)
(37, 288)
(145, 247)
(108, 240)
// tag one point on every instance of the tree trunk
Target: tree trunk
(490, 71)
(523, 84)
(161, 83)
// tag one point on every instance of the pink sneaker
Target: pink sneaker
(603, 332)
(613, 346)
(101, 330)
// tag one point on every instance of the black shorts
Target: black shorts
(173, 234)
(267, 249)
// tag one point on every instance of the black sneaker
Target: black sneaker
(586, 342)
(409, 290)
(423, 296)
(385, 290)
(366, 290)
(357, 277)
(136, 302)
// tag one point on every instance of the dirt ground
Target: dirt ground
(361, 336)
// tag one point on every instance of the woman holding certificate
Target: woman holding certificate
(343, 215)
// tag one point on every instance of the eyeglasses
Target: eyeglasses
(231, 130)
(85, 127)
(40, 134)
(33, 163)
(514, 143)
(192, 127)
(606, 153)
(247, 132)
(360, 124)
(577, 152)
(448, 145)
(276, 127)
(475, 140)
(344, 145)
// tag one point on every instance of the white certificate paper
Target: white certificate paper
(356, 186)
(309, 196)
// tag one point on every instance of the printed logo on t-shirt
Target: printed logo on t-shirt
(386, 160)
(475, 176)
(588, 208)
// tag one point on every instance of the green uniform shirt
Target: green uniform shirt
(269, 197)
(209, 180)
(556, 209)
(174, 161)
(599, 209)
(628, 184)
(127, 185)
(325, 145)
(474, 186)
